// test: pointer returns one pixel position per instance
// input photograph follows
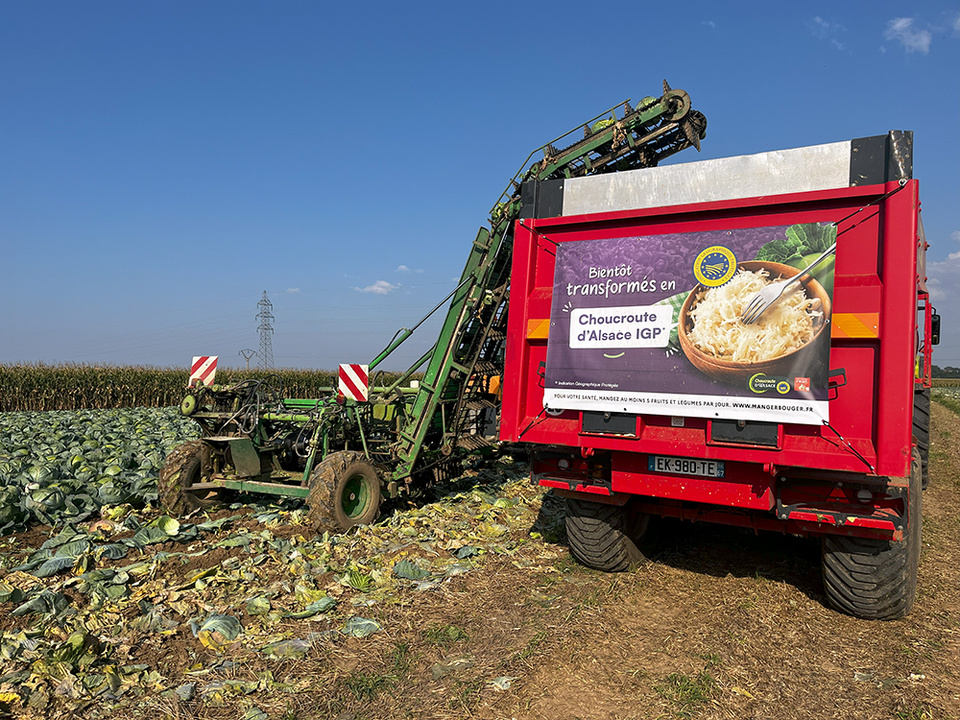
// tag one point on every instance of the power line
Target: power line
(247, 354)
(265, 316)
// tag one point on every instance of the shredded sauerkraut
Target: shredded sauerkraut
(790, 323)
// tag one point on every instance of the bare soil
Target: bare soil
(722, 623)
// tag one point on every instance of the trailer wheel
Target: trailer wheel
(605, 537)
(921, 430)
(178, 474)
(876, 579)
(344, 491)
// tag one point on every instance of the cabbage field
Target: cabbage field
(110, 608)
(62, 467)
(946, 395)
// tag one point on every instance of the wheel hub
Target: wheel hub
(355, 497)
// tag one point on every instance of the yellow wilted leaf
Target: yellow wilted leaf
(209, 639)
(21, 580)
(218, 631)
(203, 574)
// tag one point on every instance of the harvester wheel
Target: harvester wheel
(921, 430)
(605, 537)
(178, 474)
(876, 579)
(344, 491)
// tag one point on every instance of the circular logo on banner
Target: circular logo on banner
(761, 383)
(714, 266)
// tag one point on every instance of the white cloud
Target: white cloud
(710, 24)
(380, 287)
(943, 282)
(907, 34)
(827, 30)
(293, 291)
(405, 269)
(943, 276)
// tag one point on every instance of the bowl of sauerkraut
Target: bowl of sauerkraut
(783, 341)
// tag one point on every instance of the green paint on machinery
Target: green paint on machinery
(340, 454)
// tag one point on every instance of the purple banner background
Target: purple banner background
(662, 259)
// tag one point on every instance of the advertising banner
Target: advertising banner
(653, 325)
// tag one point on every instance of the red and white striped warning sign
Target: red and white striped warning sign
(203, 370)
(353, 382)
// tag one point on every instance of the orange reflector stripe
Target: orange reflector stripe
(843, 325)
(855, 325)
(538, 329)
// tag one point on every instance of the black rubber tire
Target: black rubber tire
(921, 431)
(605, 537)
(876, 579)
(181, 470)
(334, 482)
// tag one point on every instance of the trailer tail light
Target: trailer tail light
(570, 470)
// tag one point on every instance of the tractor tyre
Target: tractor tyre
(180, 471)
(921, 431)
(605, 537)
(344, 491)
(876, 579)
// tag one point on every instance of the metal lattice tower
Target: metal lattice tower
(266, 332)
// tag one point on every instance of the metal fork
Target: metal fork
(768, 295)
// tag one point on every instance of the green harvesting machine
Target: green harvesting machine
(343, 455)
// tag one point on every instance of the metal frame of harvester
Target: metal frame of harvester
(341, 454)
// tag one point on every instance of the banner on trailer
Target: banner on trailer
(652, 324)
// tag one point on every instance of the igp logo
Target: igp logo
(714, 266)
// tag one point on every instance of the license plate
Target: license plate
(685, 466)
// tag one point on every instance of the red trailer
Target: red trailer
(642, 393)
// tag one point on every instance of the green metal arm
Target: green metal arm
(464, 353)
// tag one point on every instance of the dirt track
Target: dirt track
(731, 625)
(722, 624)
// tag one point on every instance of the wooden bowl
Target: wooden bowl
(796, 362)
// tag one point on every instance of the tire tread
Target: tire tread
(876, 579)
(598, 536)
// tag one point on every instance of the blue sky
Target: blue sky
(164, 163)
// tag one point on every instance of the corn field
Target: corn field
(31, 387)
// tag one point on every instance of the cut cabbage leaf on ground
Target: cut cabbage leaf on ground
(247, 581)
